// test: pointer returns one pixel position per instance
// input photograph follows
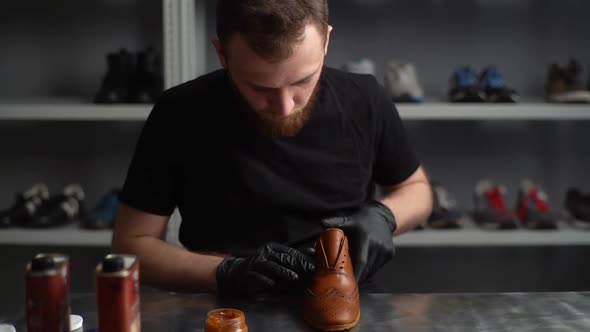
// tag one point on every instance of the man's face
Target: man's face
(281, 93)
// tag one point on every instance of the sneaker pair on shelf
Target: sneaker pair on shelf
(564, 84)
(532, 208)
(401, 81)
(364, 66)
(401, 78)
(35, 208)
(467, 86)
(131, 78)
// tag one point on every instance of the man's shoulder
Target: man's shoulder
(198, 89)
(352, 90)
(181, 104)
(350, 84)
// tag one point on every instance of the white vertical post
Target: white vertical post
(171, 43)
(201, 43)
(184, 40)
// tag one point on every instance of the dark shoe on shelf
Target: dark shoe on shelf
(491, 211)
(62, 209)
(26, 207)
(331, 300)
(148, 81)
(116, 83)
(564, 85)
(533, 207)
(445, 214)
(494, 86)
(578, 206)
(465, 87)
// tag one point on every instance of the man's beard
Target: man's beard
(277, 127)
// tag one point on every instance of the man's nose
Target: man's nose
(284, 103)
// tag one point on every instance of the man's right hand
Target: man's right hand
(272, 268)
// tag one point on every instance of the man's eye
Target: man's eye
(304, 82)
(263, 90)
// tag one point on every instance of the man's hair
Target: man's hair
(271, 27)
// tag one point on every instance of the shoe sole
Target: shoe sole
(444, 224)
(341, 327)
(580, 224)
(467, 97)
(582, 97)
(576, 222)
(546, 226)
(501, 226)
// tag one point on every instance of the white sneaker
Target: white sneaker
(7, 328)
(402, 82)
(360, 66)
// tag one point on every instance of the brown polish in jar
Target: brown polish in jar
(226, 320)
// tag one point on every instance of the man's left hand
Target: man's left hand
(370, 234)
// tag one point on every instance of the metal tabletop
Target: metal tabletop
(379, 312)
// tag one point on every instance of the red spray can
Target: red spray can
(117, 294)
(47, 280)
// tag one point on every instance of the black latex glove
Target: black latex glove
(274, 267)
(370, 236)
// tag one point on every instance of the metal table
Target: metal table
(379, 312)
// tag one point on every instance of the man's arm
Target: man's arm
(370, 229)
(410, 201)
(162, 265)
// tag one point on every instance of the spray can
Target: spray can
(117, 294)
(47, 280)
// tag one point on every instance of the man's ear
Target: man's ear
(219, 50)
(330, 28)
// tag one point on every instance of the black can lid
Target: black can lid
(112, 264)
(42, 263)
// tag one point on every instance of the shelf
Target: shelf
(565, 236)
(79, 111)
(525, 111)
(485, 238)
(66, 236)
(73, 111)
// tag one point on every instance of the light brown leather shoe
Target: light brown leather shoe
(331, 300)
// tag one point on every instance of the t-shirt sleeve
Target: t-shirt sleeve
(152, 179)
(395, 160)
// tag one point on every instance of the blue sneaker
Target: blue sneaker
(465, 87)
(494, 86)
(105, 212)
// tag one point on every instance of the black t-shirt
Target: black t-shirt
(237, 189)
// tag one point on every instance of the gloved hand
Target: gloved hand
(274, 267)
(370, 236)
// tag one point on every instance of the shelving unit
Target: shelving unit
(78, 111)
(186, 50)
(64, 236)
(565, 236)
(73, 112)
(526, 111)
(485, 238)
